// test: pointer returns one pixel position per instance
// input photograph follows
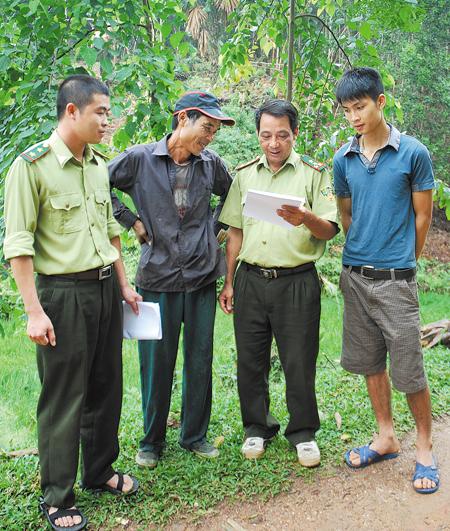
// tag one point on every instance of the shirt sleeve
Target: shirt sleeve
(324, 200)
(422, 177)
(122, 177)
(232, 210)
(21, 210)
(341, 188)
(222, 183)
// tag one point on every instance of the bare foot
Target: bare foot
(382, 446)
(127, 482)
(424, 457)
(65, 521)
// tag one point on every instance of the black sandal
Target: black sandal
(44, 507)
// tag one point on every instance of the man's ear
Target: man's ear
(71, 110)
(182, 118)
(381, 101)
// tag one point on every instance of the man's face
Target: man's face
(196, 137)
(276, 139)
(364, 114)
(91, 123)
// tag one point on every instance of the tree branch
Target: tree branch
(305, 15)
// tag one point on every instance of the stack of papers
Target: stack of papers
(146, 325)
(264, 206)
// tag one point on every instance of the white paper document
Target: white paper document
(146, 325)
(264, 206)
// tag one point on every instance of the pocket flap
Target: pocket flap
(65, 201)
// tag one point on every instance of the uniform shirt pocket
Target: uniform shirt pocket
(101, 204)
(67, 213)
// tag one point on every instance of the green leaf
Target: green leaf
(121, 75)
(175, 39)
(89, 55)
(331, 9)
(183, 49)
(166, 29)
(98, 42)
(5, 63)
(372, 50)
(116, 111)
(365, 30)
(106, 65)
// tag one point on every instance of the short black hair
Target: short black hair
(277, 108)
(357, 83)
(192, 115)
(79, 90)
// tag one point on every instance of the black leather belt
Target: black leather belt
(372, 273)
(91, 274)
(276, 272)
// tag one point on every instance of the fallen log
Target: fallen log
(437, 333)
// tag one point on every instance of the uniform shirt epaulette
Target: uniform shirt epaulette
(99, 152)
(319, 166)
(35, 152)
(248, 163)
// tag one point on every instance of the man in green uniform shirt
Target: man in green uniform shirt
(276, 290)
(59, 224)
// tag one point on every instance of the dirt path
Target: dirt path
(377, 498)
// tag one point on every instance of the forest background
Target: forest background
(149, 53)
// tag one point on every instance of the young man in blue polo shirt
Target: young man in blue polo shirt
(384, 187)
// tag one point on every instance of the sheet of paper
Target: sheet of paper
(146, 325)
(264, 206)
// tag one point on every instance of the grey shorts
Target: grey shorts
(382, 316)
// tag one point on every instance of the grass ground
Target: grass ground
(183, 481)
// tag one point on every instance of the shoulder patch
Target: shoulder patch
(35, 152)
(99, 152)
(319, 166)
(328, 194)
(248, 163)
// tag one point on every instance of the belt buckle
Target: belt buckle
(268, 273)
(367, 267)
(105, 272)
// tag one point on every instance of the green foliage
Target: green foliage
(123, 42)
(330, 36)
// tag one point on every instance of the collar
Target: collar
(162, 151)
(292, 160)
(63, 153)
(393, 141)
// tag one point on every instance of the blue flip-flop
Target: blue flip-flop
(428, 472)
(365, 453)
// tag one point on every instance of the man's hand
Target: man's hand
(294, 215)
(131, 297)
(141, 233)
(40, 329)
(226, 299)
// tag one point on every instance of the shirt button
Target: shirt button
(92, 224)
(87, 197)
(264, 242)
(67, 206)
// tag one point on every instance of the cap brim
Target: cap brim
(212, 113)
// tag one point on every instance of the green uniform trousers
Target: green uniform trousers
(288, 308)
(157, 358)
(81, 377)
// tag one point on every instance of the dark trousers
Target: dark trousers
(157, 358)
(288, 308)
(81, 378)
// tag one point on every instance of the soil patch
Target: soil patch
(376, 498)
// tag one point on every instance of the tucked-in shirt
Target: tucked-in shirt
(58, 211)
(269, 245)
(382, 231)
(184, 254)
